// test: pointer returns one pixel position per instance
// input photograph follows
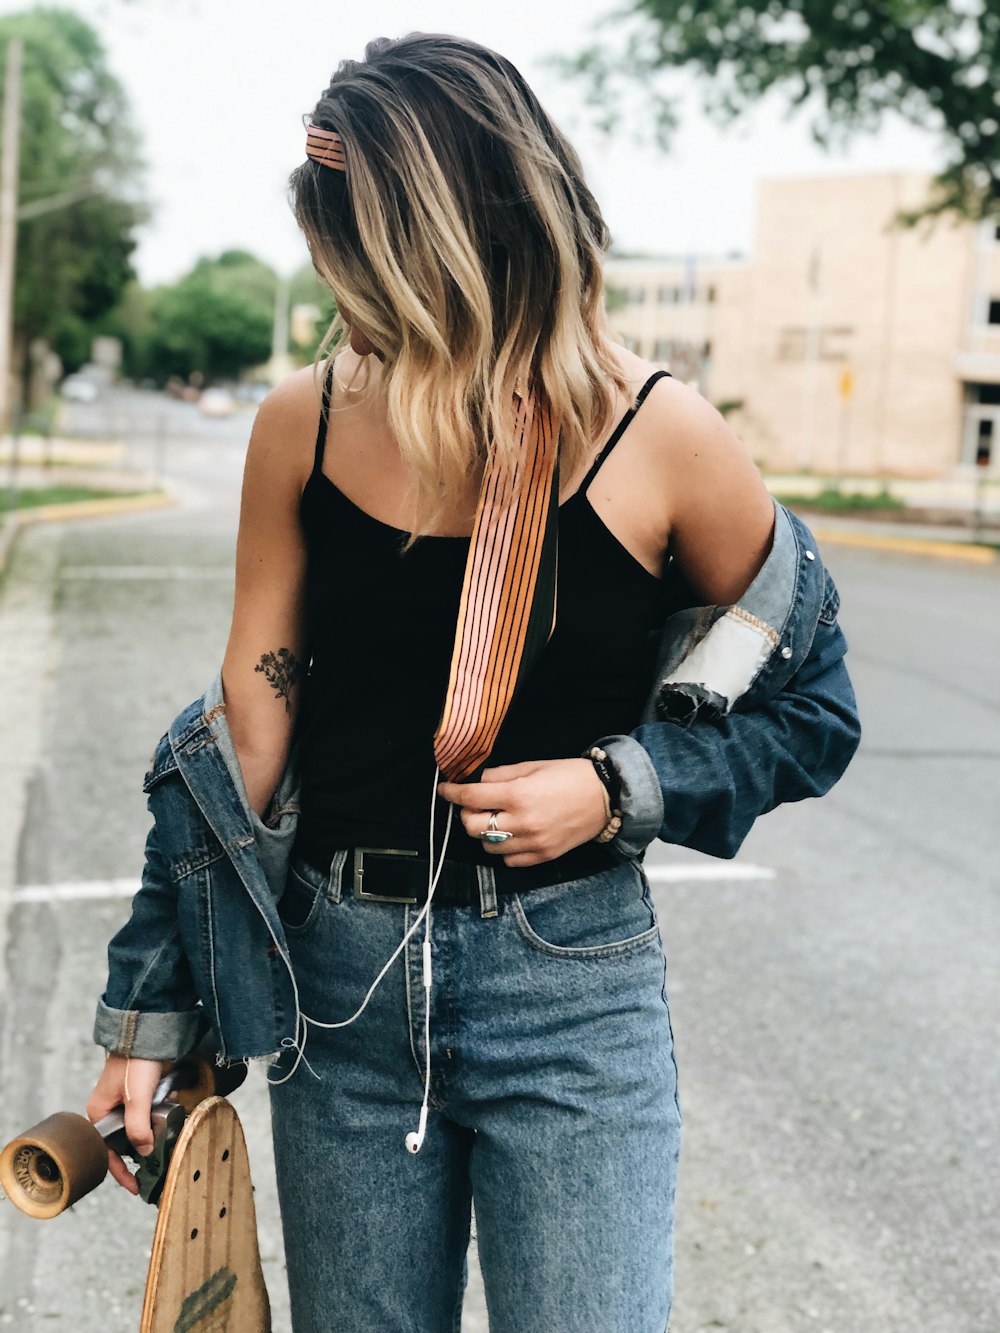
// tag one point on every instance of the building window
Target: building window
(706, 350)
(662, 349)
(665, 295)
(984, 443)
(636, 295)
(710, 294)
(994, 314)
(988, 394)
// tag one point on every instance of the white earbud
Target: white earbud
(415, 1138)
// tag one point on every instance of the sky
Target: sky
(218, 89)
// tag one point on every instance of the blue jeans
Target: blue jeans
(553, 1110)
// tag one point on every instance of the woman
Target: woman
(451, 221)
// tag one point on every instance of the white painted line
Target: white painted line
(125, 572)
(75, 891)
(723, 870)
(94, 890)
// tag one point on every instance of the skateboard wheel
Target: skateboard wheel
(53, 1164)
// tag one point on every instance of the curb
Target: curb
(944, 550)
(63, 513)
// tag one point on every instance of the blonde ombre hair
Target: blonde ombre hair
(464, 242)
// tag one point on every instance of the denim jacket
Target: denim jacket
(751, 706)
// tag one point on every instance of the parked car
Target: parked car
(217, 403)
(77, 389)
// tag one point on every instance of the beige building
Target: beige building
(839, 346)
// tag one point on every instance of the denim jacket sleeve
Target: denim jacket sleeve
(752, 707)
(150, 1009)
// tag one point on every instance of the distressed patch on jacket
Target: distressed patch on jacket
(719, 668)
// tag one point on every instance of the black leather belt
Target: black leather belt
(394, 875)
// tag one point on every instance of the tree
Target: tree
(308, 289)
(934, 62)
(77, 143)
(216, 321)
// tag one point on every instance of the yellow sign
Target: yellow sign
(846, 385)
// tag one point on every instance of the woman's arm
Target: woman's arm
(267, 655)
(718, 515)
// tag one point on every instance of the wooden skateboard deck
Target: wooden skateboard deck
(204, 1271)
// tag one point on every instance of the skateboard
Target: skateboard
(204, 1270)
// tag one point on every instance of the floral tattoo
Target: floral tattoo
(282, 670)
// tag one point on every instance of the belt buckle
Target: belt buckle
(359, 870)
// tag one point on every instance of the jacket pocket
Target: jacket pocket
(306, 892)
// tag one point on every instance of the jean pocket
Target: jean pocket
(601, 916)
(301, 904)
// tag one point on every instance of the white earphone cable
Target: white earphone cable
(414, 1140)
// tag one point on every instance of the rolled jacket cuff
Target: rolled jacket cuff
(641, 796)
(140, 1035)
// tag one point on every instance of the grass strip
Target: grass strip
(833, 501)
(32, 497)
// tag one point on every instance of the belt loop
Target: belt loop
(487, 891)
(334, 889)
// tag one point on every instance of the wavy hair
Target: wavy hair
(464, 242)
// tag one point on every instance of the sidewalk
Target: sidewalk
(58, 462)
(950, 518)
(946, 543)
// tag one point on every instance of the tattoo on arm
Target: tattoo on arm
(282, 670)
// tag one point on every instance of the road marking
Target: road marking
(75, 891)
(96, 889)
(723, 871)
(170, 572)
(943, 550)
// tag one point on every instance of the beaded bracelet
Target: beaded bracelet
(611, 783)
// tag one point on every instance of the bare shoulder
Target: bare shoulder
(680, 432)
(711, 499)
(284, 428)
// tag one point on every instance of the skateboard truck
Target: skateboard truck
(167, 1121)
(64, 1157)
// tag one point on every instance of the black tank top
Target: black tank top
(381, 628)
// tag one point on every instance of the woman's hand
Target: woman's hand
(549, 805)
(110, 1092)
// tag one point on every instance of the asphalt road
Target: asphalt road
(835, 1009)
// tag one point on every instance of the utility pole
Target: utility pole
(9, 167)
(811, 355)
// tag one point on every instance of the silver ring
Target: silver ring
(492, 834)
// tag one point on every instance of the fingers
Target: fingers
(143, 1076)
(129, 1084)
(476, 795)
(509, 772)
(120, 1172)
(548, 805)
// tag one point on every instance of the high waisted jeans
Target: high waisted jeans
(553, 1110)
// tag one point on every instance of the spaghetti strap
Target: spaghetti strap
(324, 418)
(620, 428)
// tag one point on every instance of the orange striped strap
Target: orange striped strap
(508, 605)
